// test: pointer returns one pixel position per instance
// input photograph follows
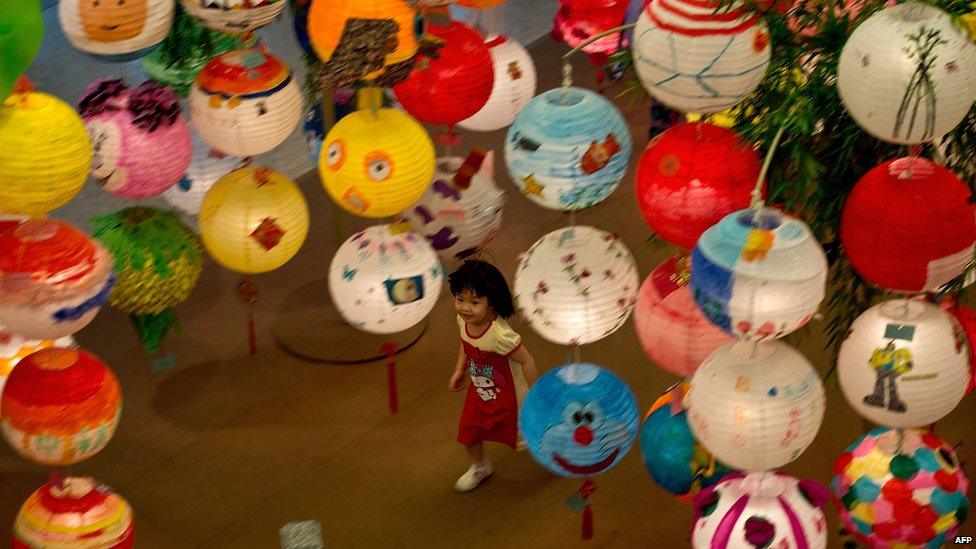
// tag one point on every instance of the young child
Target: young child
(496, 361)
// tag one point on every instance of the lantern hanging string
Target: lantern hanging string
(757, 199)
(568, 68)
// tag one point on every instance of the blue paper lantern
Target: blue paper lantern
(579, 420)
(568, 149)
(299, 22)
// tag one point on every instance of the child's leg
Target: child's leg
(475, 451)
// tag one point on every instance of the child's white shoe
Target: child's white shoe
(474, 476)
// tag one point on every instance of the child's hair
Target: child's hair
(484, 280)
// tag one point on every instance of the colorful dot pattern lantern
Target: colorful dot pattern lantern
(578, 420)
(141, 144)
(693, 175)
(577, 21)
(45, 154)
(53, 279)
(514, 85)
(13, 348)
(74, 513)
(908, 74)
(253, 220)
(761, 510)
(60, 406)
(756, 406)
(115, 31)
(904, 364)
(206, 167)
(245, 102)
(568, 149)
(671, 329)
(694, 57)
(234, 16)
(908, 225)
(376, 163)
(576, 285)
(758, 276)
(384, 280)
(898, 488)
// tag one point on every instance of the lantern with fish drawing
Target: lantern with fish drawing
(234, 16)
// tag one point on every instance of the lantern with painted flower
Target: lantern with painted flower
(206, 167)
(13, 348)
(115, 31)
(234, 16)
(513, 88)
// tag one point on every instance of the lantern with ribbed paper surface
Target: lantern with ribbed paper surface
(206, 167)
(908, 74)
(245, 102)
(749, 510)
(908, 225)
(576, 285)
(577, 21)
(116, 31)
(234, 16)
(74, 513)
(513, 88)
(697, 57)
(754, 405)
(901, 488)
(60, 406)
(693, 175)
(758, 275)
(13, 348)
(568, 149)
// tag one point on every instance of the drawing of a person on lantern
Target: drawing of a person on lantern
(889, 364)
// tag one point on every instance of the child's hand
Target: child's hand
(457, 381)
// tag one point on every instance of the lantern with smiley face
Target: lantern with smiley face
(115, 30)
(234, 16)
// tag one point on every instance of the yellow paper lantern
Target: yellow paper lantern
(376, 163)
(45, 154)
(253, 220)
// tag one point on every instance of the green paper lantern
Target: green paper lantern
(21, 30)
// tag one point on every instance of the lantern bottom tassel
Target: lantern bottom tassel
(390, 349)
(247, 292)
(585, 491)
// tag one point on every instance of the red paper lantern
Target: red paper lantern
(693, 175)
(908, 226)
(577, 21)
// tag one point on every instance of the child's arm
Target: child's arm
(522, 356)
(457, 380)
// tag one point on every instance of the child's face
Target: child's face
(471, 308)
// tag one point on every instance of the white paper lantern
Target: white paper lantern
(576, 285)
(908, 74)
(515, 80)
(115, 31)
(234, 16)
(904, 364)
(694, 59)
(383, 280)
(756, 405)
(206, 167)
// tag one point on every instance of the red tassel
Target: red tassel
(252, 344)
(390, 349)
(248, 294)
(588, 522)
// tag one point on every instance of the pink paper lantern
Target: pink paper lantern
(577, 21)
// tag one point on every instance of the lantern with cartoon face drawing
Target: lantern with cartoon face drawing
(115, 30)
(234, 16)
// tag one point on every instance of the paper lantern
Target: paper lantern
(693, 175)
(695, 57)
(568, 149)
(758, 276)
(907, 74)
(74, 513)
(53, 279)
(966, 317)
(908, 225)
(234, 16)
(756, 405)
(115, 31)
(898, 488)
(60, 406)
(13, 348)
(206, 167)
(23, 30)
(746, 511)
(45, 154)
(514, 85)
(671, 329)
(577, 21)
(904, 364)
(578, 420)
(299, 22)
(376, 163)
(245, 102)
(576, 285)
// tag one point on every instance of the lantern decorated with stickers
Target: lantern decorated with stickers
(234, 16)
(513, 88)
(115, 31)
(13, 348)
(206, 167)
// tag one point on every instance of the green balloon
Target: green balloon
(21, 30)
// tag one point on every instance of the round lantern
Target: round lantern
(234, 16)
(568, 149)
(693, 175)
(746, 511)
(758, 276)
(384, 280)
(459, 221)
(245, 102)
(206, 167)
(908, 74)
(900, 488)
(13, 348)
(966, 317)
(74, 513)
(53, 279)
(376, 163)
(694, 57)
(908, 225)
(578, 420)
(141, 144)
(60, 406)
(115, 31)
(577, 21)
(576, 285)
(671, 329)
(299, 22)
(45, 154)
(756, 405)
(904, 364)
(253, 220)
(514, 85)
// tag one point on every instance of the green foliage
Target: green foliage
(142, 235)
(153, 329)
